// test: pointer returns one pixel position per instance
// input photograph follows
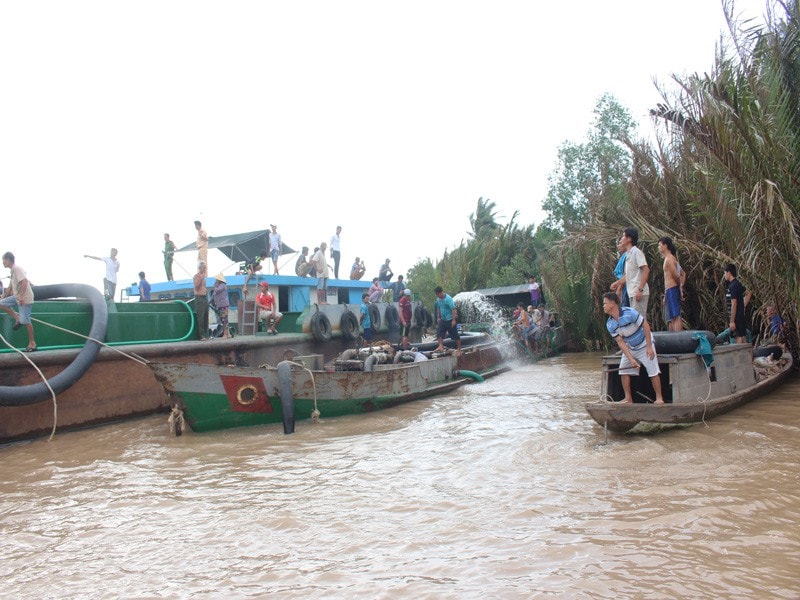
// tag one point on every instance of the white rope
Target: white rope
(133, 357)
(315, 414)
(44, 379)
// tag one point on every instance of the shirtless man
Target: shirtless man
(524, 323)
(672, 285)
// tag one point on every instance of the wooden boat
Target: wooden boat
(692, 392)
(216, 397)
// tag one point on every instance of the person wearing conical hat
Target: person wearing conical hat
(219, 296)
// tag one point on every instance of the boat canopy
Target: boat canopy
(240, 246)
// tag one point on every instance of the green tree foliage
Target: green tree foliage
(590, 177)
(492, 255)
(723, 178)
(587, 189)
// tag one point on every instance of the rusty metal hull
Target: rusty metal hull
(117, 387)
(219, 397)
(233, 395)
(686, 398)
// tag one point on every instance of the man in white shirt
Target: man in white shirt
(636, 271)
(336, 250)
(112, 268)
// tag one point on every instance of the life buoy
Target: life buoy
(321, 327)
(349, 325)
(375, 316)
(37, 392)
(428, 317)
(392, 317)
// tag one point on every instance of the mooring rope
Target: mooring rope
(133, 357)
(44, 379)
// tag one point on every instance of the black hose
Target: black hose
(38, 392)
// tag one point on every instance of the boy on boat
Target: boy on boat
(364, 319)
(634, 338)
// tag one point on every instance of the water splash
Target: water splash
(479, 312)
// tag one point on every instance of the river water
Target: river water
(505, 489)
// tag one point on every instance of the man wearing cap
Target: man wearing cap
(405, 318)
(268, 308)
(274, 246)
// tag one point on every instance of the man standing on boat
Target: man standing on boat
(634, 338)
(336, 254)
(202, 242)
(275, 247)
(445, 312)
(673, 287)
(112, 268)
(636, 271)
(321, 268)
(737, 298)
(20, 294)
(364, 319)
(201, 300)
(405, 318)
(144, 288)
(169, 256)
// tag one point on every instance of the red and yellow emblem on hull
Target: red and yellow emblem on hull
(246, 394)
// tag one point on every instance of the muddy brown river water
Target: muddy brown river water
(505, 489)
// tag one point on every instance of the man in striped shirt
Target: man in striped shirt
(632, 333)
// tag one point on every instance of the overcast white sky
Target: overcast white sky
(122, 121)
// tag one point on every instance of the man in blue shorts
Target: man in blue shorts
(632, 333)
(20, 294)
(445, 313)
(672, 284)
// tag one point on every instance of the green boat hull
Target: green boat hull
(217, 397)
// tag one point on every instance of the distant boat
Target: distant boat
(692, 392)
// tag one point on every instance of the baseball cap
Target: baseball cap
(407, 292)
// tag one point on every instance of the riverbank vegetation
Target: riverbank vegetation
(720, 176)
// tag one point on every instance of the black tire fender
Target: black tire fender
(321, 327)
(349, 325)
(375, 316)
(428, 317)
(392, 317)
(419, 316)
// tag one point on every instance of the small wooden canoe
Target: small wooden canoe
(692, 392)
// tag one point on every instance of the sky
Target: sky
(120, 121)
